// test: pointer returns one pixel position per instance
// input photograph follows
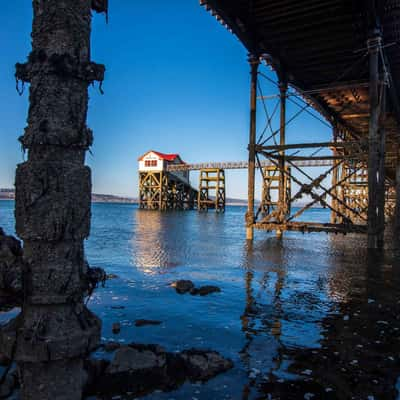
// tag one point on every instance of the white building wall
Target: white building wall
(151, 157)
(161, 166)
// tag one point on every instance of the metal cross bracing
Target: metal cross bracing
(340, 59)
(334, 188)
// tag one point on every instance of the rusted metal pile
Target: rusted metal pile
(341, 58)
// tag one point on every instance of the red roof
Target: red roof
(163, 156)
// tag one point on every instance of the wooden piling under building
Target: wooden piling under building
(165, 191)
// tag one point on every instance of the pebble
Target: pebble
(346, 318)
(307, 372)
(116, 327)
(253, 373)
(308, 396)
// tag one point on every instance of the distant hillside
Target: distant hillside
(109, 198)
(9, 194)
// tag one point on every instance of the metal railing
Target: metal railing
(242, 165)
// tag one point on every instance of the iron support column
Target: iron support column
(335, 179)
(374, 148)
(381, 167)
(254, 63)
(397, 212)
(282, 141)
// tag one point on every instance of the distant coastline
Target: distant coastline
(9, 194)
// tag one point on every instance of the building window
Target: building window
(150, 163)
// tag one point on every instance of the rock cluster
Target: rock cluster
(186, 286)
(10, 268)
(141, 369)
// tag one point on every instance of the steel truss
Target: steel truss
(343, 187)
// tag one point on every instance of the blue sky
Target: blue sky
(176, 81)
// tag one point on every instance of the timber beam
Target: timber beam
(307, 227)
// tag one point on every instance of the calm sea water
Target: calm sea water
(275, 294)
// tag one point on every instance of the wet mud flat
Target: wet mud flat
(309, 317)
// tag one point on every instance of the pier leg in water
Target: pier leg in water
(55, 330)
(397, 209)
(254, 63)
(282, 141)
(375, 172)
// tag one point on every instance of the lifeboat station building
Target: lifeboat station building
(161, 189)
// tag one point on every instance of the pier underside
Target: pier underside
(338, 62)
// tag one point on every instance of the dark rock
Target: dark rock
(111, 346)
(205, 290)
(11, 266)
(142, 369)
(117, 307)
(144, 322)
(202, 365)
(9, 385)
(130, 359)
(112, 276)
(94, 277)
(116, 328)
(183, 286)
(95, 368)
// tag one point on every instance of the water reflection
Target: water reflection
(262, 320)
(297, 316)
(150, 242)
(359, 344)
